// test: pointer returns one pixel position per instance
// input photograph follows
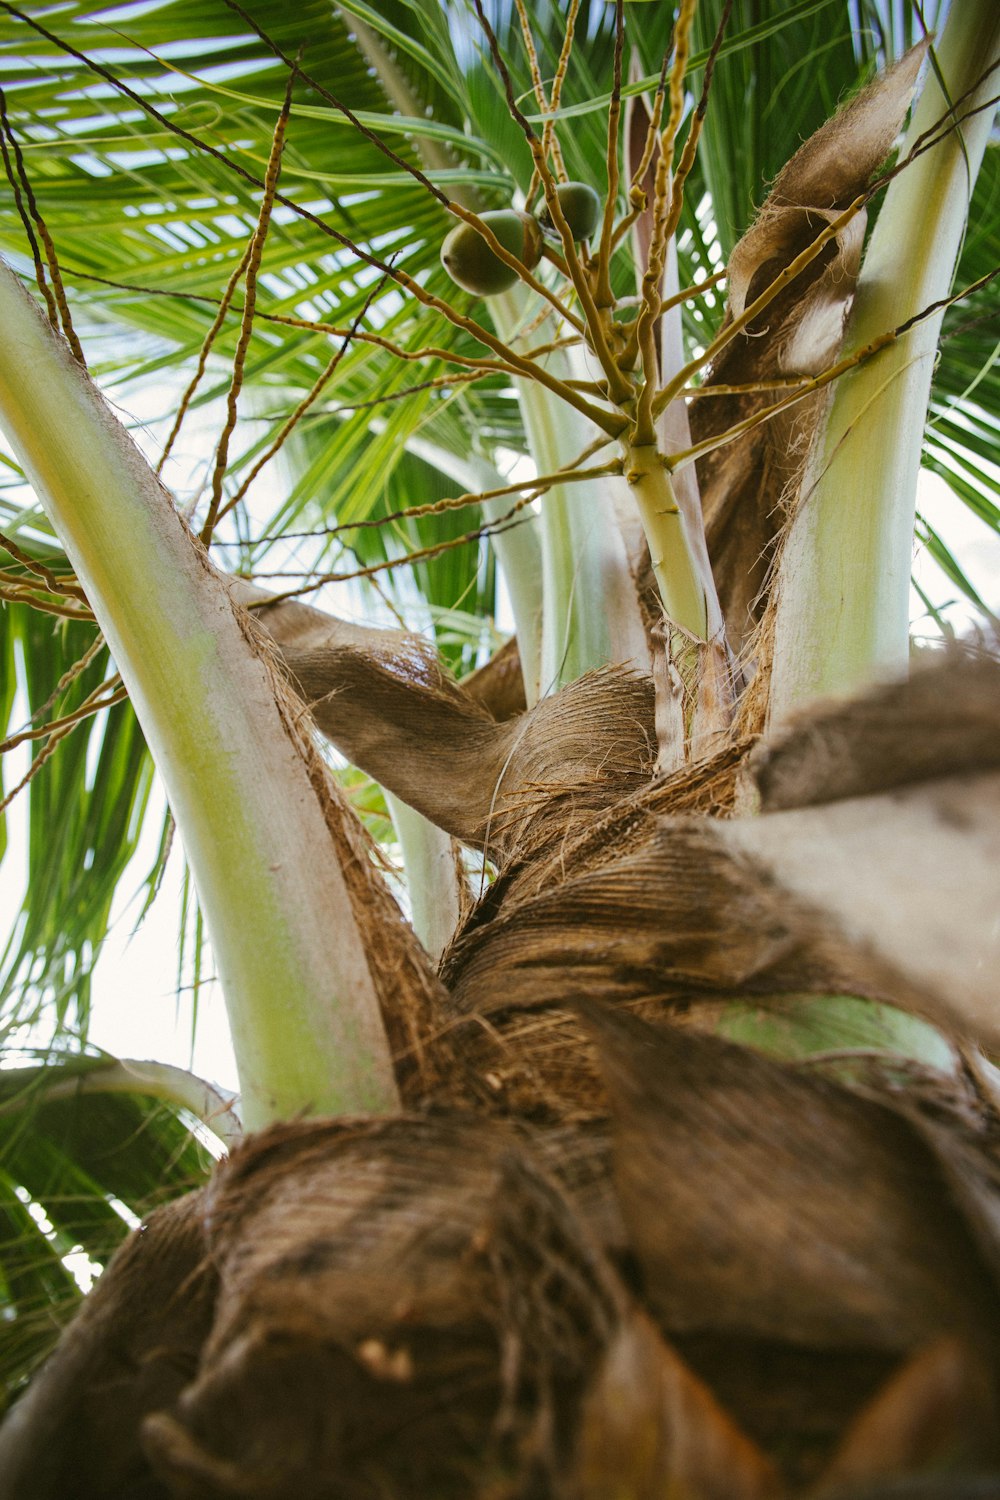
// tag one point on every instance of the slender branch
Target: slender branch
(503, 524)
(549, 142)
(649, 314)
(311, 325)
(59, 730)
(58, 293)
(91, 705)
(249, 302)
(690, 151)
(748, 388)
(70, 675)
(619, 388)
(398, 351)
(795, 267)
(13, 173)
(436, 383)
(45, 754)
(696, 288)
(636, 192)
(569, 475)
(24, 595)
(304, 405)
(549, 139)
(206, 347)
(53, 582)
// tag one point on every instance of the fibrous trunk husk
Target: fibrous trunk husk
(771, 1270)
(673, 914)
(382, 698)
(453, 1306)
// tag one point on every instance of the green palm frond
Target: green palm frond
(84, 815)
(77, 1172)
(963, 437)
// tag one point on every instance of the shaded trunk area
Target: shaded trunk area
(606, 1251)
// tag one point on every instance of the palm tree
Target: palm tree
(657, 1154)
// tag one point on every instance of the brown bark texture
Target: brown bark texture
(605, 1252)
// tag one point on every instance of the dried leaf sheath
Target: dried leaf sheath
(787, 1243)
(439, 1296)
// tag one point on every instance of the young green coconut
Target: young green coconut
(581, 208)
(471, 263)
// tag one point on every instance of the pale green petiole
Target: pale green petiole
(303, 1010)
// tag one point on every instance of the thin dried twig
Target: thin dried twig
(478, 369)
(690, 150)
(503, 524)
(678, 73)
(518, 365)
(304, 405)
(249, 302)
(58, 734)
(58, 293)
(571, 474)
(550, 142)
(549, 138)
(636, 192)
(437, 383)
(91, 705)
(21, 594)
(206, 348)
(53, 582)
(749, 388)
(608, 421)
(70, 675)
(398, 351)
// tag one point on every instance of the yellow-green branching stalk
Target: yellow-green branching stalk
(844, 580)
(688, 598)
(302, 1004)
